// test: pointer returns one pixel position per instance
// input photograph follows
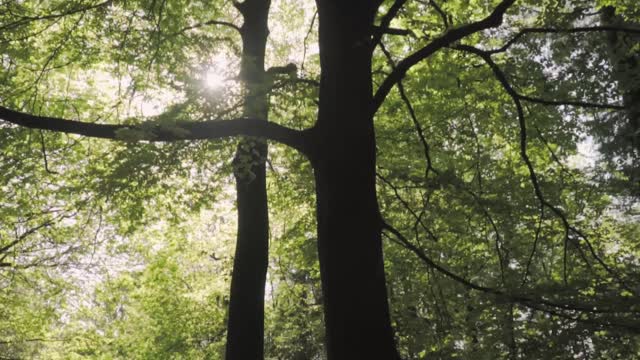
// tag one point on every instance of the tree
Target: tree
(443, 51)
(245, 332)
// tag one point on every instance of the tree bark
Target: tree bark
(349, 224)
(245, 330)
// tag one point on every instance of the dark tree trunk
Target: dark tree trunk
(349, 224)
(245, 331)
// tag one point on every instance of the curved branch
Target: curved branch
(306, 40)
(536, 303)
(207, 23)
(412, 113)
(451, 36)
(501, 77)
(406, 205)
(527, 31)
(440, 12)
(486, 56)
(385, 22)
(26, 19)
(577, 103)
(205, 130)
(23, 236)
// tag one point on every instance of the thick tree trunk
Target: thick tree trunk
(245, 330)
(349, 224)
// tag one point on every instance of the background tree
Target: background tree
(245, 332)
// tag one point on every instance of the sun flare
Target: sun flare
(214, 79)
(216, 72)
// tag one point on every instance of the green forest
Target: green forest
(340, 180)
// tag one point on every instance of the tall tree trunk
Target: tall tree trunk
(349, 223)
(245, 330)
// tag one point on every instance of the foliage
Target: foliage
(512, 219)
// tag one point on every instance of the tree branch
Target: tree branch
(205, 130)
(527, 31)
(23, 236)
(26, 19)
(451, 36)
(440, 12)
(584, 104)
(501, 77)
(383, 28)
(207, 23)
(412, 113)
(531, 302)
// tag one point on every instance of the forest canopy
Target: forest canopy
(296, 179)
